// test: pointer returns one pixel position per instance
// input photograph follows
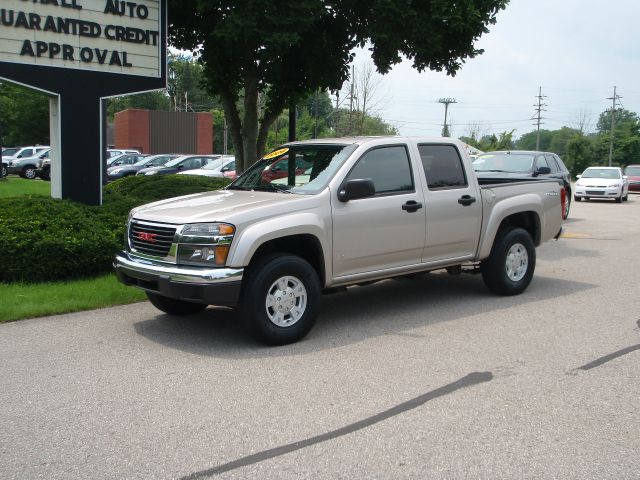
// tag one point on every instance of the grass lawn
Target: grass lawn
(13, 186)
(24, 300)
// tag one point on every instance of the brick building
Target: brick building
(154, 131)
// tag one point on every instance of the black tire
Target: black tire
(292, 287)
(577, 199)
(626, 197)
(620, 198)
(29, 173)
(510, 247)
(567, 206)
(4, 171)
(173, 306)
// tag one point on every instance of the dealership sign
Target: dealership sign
(105, 35)
(81, 52)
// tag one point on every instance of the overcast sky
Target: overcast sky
(576, 50)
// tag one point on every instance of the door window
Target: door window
(442, 166)
(388, 167)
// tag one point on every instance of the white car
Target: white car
(115, 152)
(14, 153)
(26, 166)
(602, 182)
(214, 168)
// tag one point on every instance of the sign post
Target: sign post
(80, 52)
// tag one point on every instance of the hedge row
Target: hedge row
(43, 239)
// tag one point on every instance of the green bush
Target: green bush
(43, 239)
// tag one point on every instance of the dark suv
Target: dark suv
(514, 164)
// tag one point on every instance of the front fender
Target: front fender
(248, 240)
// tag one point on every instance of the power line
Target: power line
(614, 99)
(446, 102)
(538, 115)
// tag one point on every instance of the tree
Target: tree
(622, 116)
(491, 142)
(626, 137)
(528, 141)
(147, 101)
(294, 48)
(579, 154)
(24, 116)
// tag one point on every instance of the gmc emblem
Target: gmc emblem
(147, 237)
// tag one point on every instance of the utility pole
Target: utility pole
(336, 111)
(445, 127)
(351, 99)
(538, 115)
(614, 100)
(224, 140)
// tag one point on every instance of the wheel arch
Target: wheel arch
(304, 245)
(528, 220)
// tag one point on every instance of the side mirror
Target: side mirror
(543, 171)
(224, 169)
(625, 177)
(578, 176)
(357, 188)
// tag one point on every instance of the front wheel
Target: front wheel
(280, 299)
(577, 199)
(509, 268)
(29, 173)
(174, 306)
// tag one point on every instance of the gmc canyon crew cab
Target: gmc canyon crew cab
(344, 212)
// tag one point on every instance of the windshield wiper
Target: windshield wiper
(272, 187)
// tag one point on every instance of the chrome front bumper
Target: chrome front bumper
(216, 286)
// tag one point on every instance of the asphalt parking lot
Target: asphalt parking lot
(432, 377)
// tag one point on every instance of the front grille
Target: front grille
(149, 239)
(595, 192)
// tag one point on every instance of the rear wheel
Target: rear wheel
(509, 268)
(4, 171)
(280, 299)
(174, 306)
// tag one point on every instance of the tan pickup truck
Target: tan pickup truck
(316, 215)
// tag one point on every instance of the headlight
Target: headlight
(204, 244)
(614, 185)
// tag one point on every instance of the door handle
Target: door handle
(412, 206)
(466, 200)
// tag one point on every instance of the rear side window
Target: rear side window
(388, 167)
(561, 166)
(442, 166)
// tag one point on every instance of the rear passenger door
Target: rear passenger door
(385, 231)
(453, 205)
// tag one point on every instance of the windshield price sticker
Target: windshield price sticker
(275, 154)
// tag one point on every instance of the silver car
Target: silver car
(602, 182)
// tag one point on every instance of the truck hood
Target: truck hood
(220, 206)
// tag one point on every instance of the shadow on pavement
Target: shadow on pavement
(390, 307)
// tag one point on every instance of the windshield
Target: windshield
(302, 169)
(175, 161)
(7, 152)
(504, 162)
(610, 173)
(213, 164)
(632, 171)
(153, 160)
